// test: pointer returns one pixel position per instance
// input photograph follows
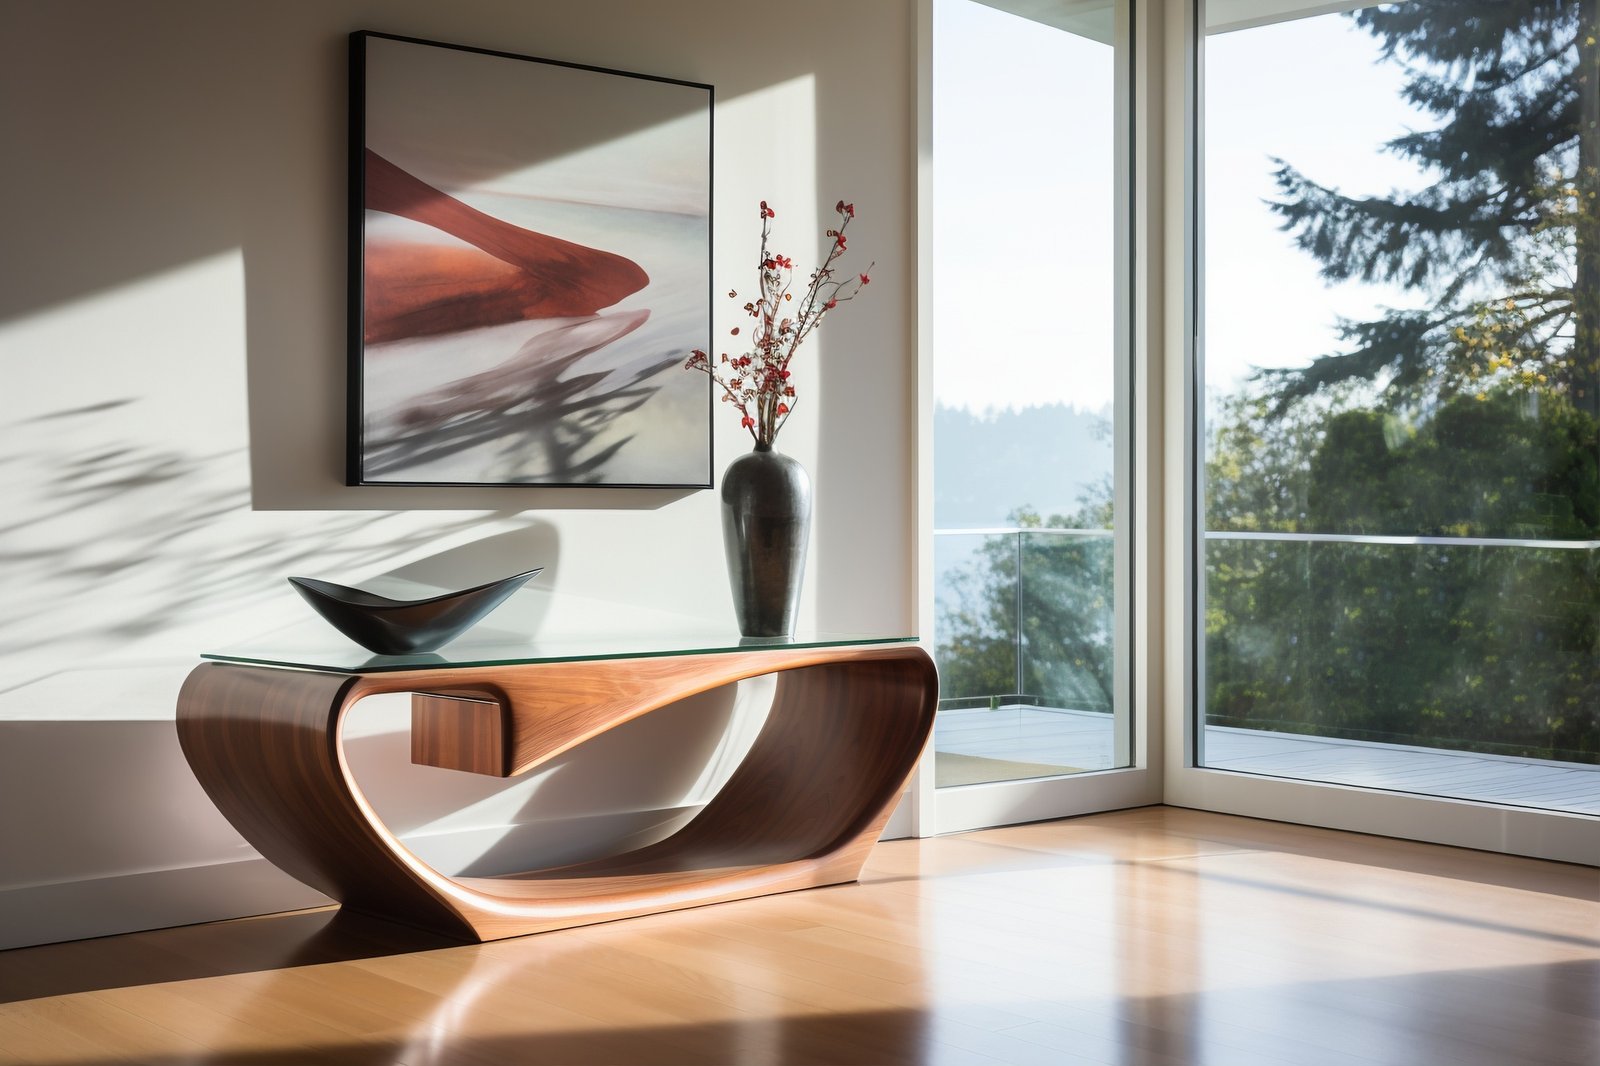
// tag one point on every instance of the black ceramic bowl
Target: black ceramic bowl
(405, 627)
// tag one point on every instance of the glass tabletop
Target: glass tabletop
(535, 626)
(337, 655)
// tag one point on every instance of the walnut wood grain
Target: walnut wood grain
(265, 746)
(803, 808)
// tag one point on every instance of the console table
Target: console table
(263, 734)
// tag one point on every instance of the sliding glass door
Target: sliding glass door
(1031, 232)
(1396, 394)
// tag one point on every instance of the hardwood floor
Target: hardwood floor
(1155, 936)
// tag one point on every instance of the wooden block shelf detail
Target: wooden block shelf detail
(459, 732)
(802, 810)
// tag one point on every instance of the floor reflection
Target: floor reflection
(1153, 937)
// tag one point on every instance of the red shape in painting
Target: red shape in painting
(414, 289)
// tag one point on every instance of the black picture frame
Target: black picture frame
(529, 267)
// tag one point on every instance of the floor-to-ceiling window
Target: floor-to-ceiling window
(1030, 325)
(1398, 558)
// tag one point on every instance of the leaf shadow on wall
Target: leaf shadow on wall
(112, 539)
(546, 410)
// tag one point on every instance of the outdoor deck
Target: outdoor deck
(1015, 742)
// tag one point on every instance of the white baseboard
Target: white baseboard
(126, 903)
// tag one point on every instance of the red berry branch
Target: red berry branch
(756, 381)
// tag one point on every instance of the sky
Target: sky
(1023, 184)
(1022, 188)
(1313, 93)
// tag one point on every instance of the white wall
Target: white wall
(171, 407)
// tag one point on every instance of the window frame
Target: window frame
(1138, 783)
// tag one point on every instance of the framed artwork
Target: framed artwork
(530, 265)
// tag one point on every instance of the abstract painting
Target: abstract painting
(530, 255)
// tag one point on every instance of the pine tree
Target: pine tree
(1506, 241)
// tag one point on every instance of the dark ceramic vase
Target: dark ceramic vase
(766, 520)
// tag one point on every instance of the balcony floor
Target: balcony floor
(1016, 741)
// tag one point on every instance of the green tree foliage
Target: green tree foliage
(1488, 648)
(1506, 235)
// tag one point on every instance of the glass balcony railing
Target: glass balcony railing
(1024, 639)
(1025, 616)
(1485, 645)
(1466, 667)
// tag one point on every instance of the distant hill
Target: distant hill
(988, 465)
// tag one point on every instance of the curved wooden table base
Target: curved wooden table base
(802, 810)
